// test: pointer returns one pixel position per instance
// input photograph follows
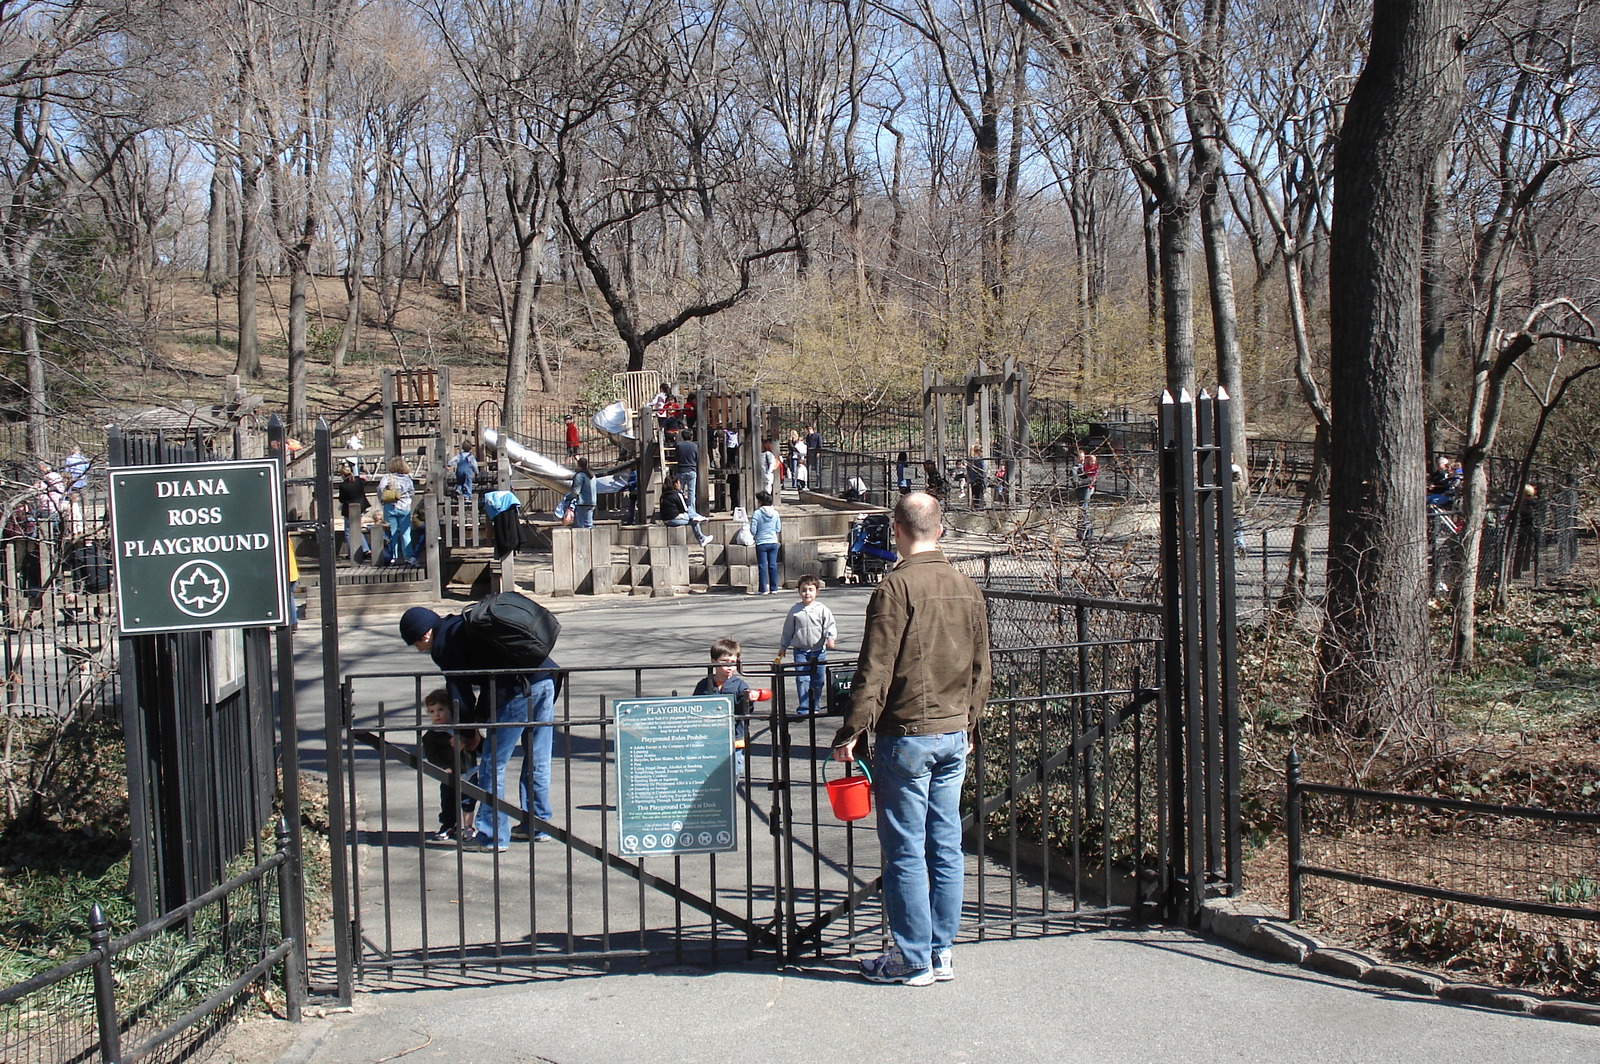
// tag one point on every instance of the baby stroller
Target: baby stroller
(871, 548)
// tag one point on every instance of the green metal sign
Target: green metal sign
(199, 546)
(675, 776)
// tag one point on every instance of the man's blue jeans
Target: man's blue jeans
(686, 480)
(536, 704)
(810, 680)
(918, 780)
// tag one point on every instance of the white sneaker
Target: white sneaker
(944, 968)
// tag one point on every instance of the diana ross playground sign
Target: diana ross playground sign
(199, 546)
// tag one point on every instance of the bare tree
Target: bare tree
(667, 194)
(51, 59)
(1149, 68)
(1529, 127)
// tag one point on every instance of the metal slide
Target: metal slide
(548, 471)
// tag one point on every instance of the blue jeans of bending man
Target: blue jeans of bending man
(537, 704)
(767, 567)
(918, 780)
(810, 680)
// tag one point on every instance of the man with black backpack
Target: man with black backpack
(503, 632)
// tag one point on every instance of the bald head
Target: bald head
(917, 519)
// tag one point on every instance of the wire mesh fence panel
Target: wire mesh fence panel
(1512, 896)
(172, 984)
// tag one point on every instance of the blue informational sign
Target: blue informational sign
(675, 779)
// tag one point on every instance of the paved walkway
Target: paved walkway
(1100, 998)
(1103, 996)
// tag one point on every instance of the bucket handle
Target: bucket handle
(857, 762)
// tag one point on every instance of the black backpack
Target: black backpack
(508, 631)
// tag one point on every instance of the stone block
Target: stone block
(583, 561)
(1234, 919)
(716, 575)
(1488, 997)
(1344, 963)
(740, 554)
(1398, 977)
(561, 544)
(742, 576)
(638, 555)
(603, 580)
(1571, 1011)
(544, 582)
(657, 536)
(1282, 943)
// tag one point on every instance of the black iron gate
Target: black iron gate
(1103, 786)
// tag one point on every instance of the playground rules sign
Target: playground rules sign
(199, 546)
(675, 776)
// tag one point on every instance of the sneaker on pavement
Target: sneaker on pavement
(443, 835)
(519, 833)
(944, 967)
(483, 844)
(891, 967)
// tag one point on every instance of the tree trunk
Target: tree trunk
(219, 263)
(1176, 232)
(33, 357)
(1152, 261)
(352, 304)
(517, 337)
(248, 363)
(1224, 310)
(297, 329)
(1297, 575)
(1434, 236)
(1377, 669)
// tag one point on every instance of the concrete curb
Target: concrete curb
(1265, 931)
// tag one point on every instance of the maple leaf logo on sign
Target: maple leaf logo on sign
(200, 588)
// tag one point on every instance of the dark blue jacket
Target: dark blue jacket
(454, 652)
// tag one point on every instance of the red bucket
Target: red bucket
(850, 796)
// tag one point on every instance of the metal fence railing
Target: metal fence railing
(161, 990)
(1512, 890)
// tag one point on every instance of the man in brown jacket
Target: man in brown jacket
(920, 686)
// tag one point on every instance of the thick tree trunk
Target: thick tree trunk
(1377, 667)
(1176, 229)
(219, 263)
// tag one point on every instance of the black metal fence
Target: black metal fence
(163, 989)
(1059, 815)
(59, 647)
(1511, 889)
